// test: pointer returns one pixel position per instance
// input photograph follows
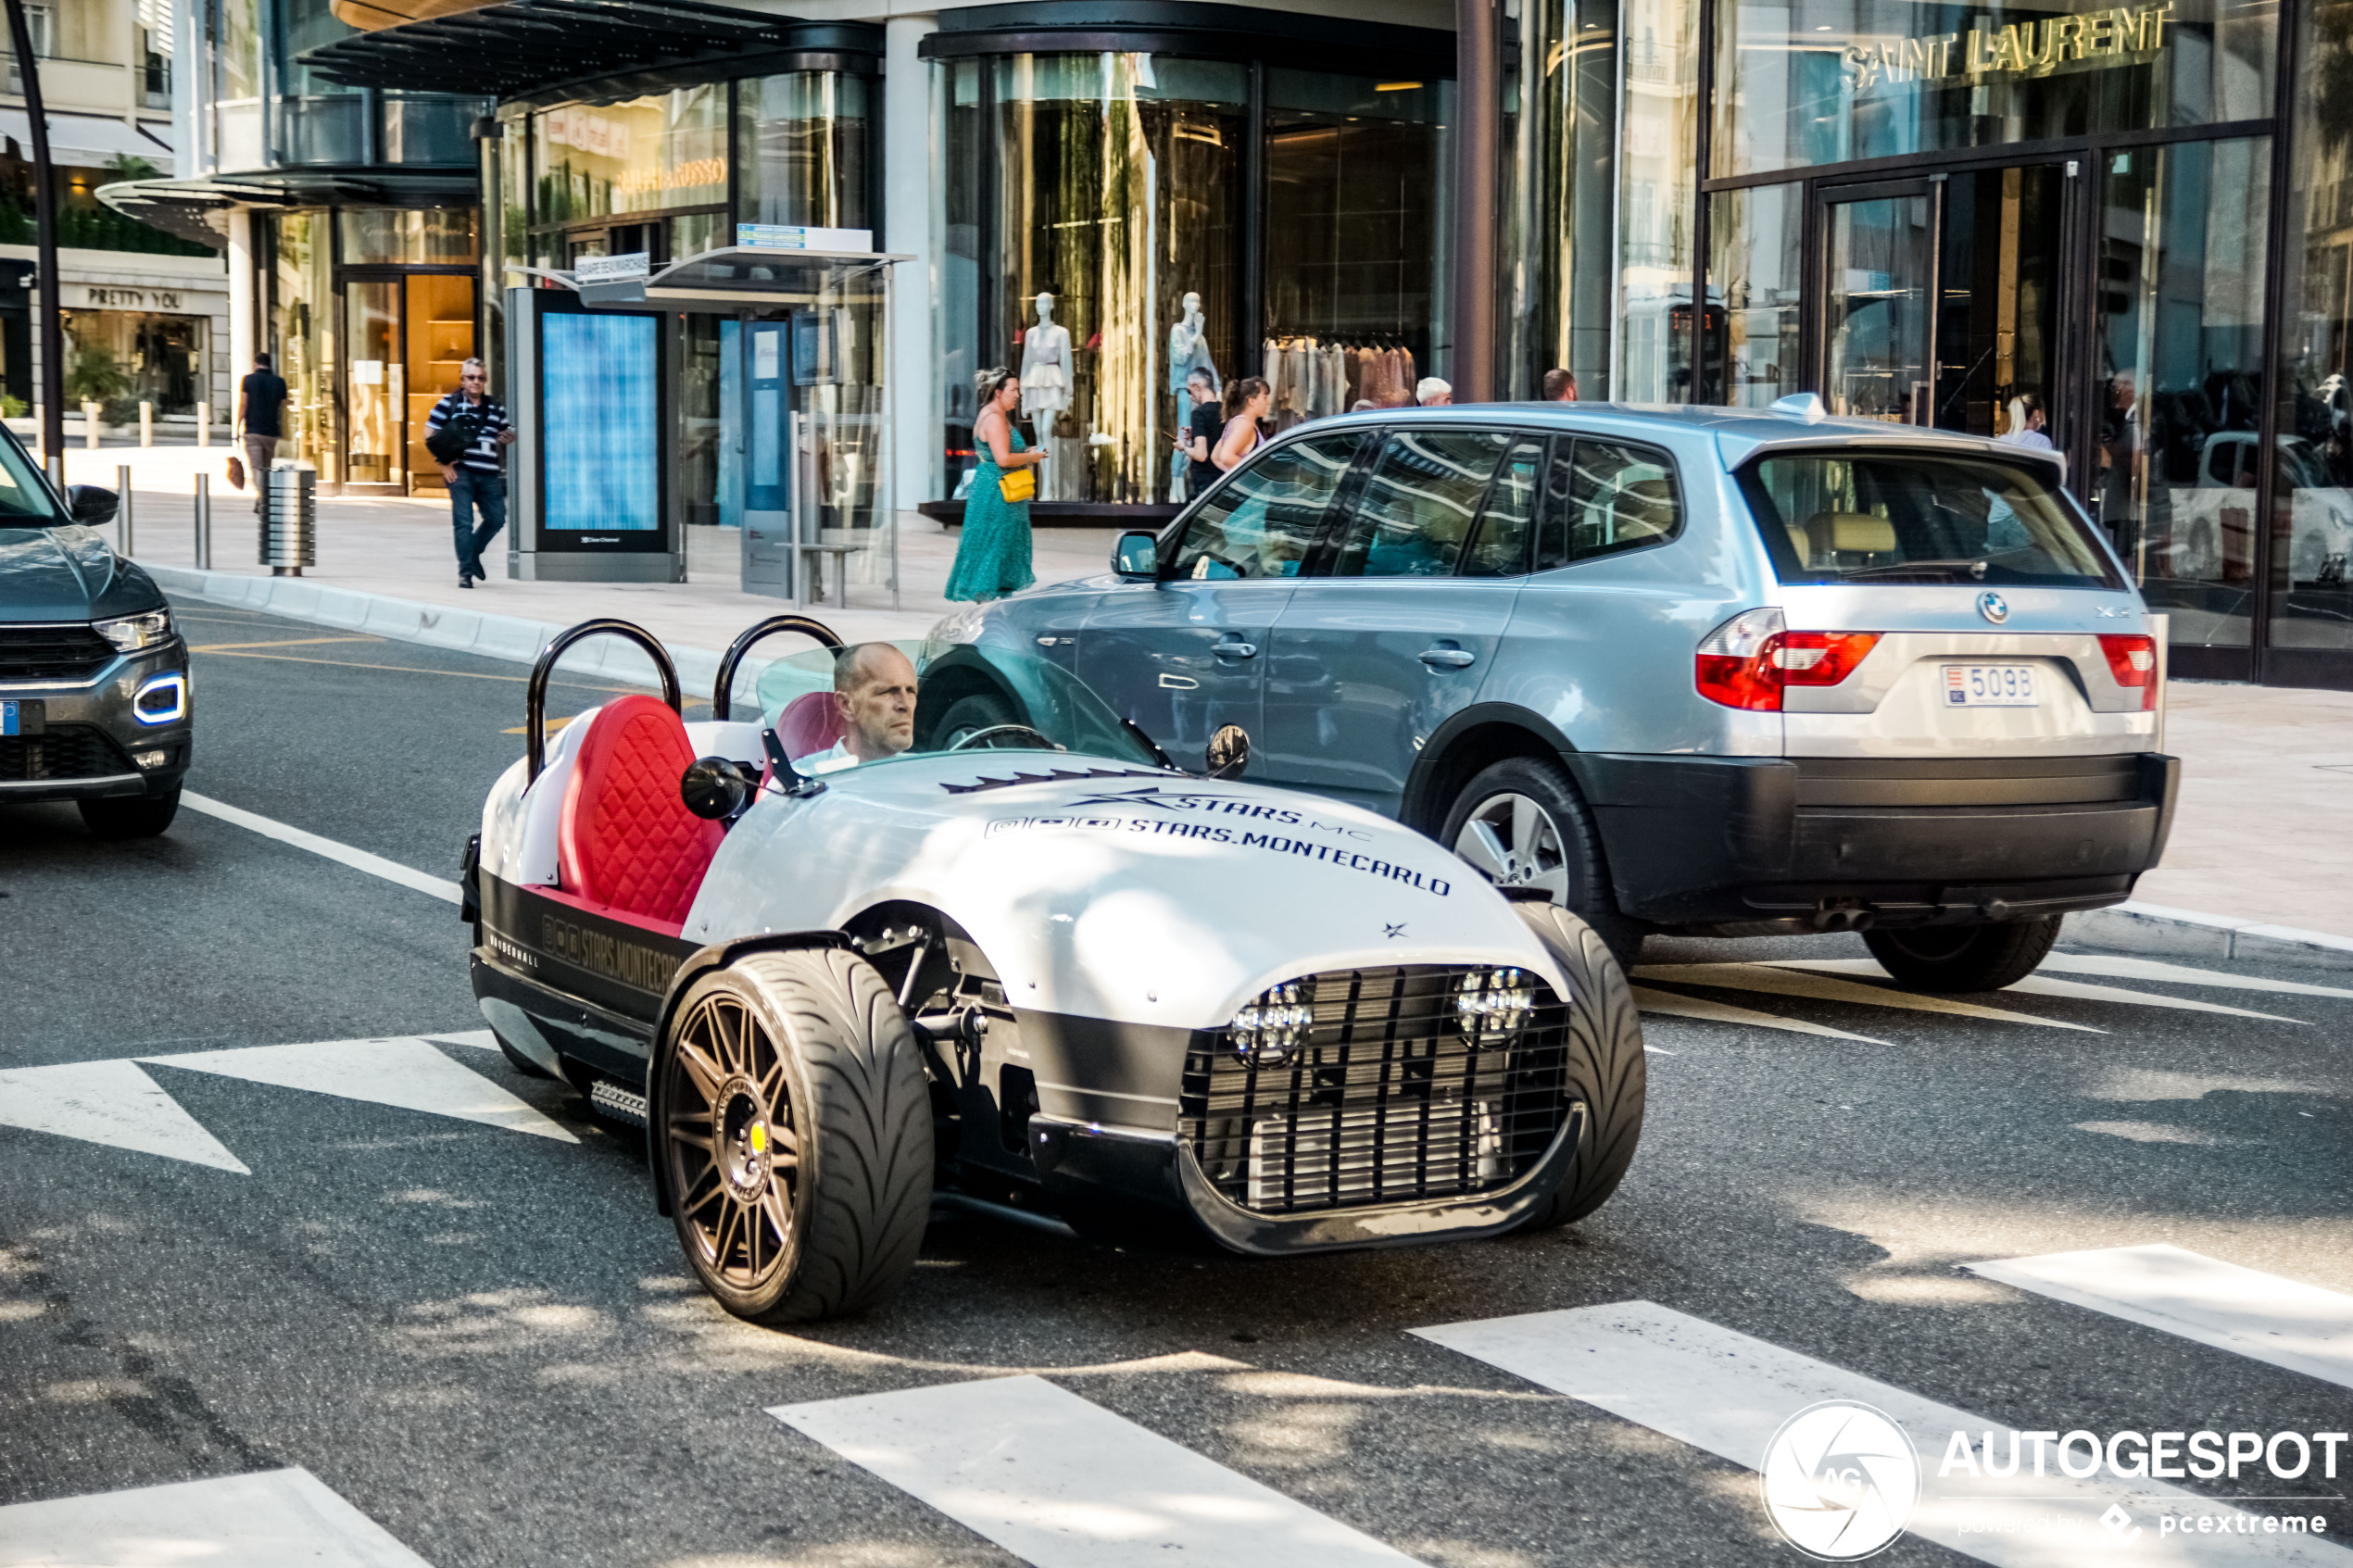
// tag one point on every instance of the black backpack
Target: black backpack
(455, 437)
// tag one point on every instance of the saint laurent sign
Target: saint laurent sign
(2092, 40)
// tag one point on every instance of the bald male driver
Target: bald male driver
(874, 694)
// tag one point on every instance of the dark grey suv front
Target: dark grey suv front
(96, 705)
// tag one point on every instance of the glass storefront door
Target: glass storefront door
(409, 334)
(1879, 275)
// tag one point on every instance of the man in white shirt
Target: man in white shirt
(875, 694)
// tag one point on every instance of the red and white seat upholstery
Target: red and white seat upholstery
(627, 848)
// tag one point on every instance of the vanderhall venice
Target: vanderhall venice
(938, 925)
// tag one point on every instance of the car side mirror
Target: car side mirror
(714, 788)
(1228, 752)
(1135, 556)
(90, 504)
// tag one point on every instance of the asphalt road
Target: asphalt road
(483, 1338)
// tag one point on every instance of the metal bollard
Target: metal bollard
(289, 529)
(90, 427)
(123, 525)
(203, 522)
(204, 426)
(146, 424)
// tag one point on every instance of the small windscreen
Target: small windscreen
(1842, 516)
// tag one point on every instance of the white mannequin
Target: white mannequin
(1184, 345)
(1045, 363)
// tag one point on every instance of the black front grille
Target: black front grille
(52, 653)
(67, 751)
(1388, 1101)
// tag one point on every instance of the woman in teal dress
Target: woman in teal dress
(992, 558)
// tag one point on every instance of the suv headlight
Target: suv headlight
(1273, 1025)
(1492, 1005)
(131, 632)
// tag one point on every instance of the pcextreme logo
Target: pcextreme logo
(1839, 1480)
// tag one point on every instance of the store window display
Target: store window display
(1116, 245)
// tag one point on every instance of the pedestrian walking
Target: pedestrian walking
(1432, 393)
(468, 434)
(2026, 423)
(992, 557)
(1248, 401)
(1560, 386)
(262, 403)
(1201, 432)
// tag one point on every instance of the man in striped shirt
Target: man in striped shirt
(475, 477)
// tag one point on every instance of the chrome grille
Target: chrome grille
(1387, 1102)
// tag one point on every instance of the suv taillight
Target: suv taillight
(1747, 662)
(2133, 661)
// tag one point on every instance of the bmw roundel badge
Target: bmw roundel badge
(1994, 607)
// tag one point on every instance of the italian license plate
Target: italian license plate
(1990, 685)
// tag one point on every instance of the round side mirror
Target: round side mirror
(1228, 752)
(715, 788)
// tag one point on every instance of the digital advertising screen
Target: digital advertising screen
(600, 438)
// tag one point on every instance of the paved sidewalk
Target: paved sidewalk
(2264, 836)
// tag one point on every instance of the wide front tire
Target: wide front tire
(1521, 824)
(793, 1129)
(1964, 958)
(1606, 1067)
(131, 816)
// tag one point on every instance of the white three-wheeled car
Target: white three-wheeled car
(1023, 964)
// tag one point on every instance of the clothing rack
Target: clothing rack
(1314, 376)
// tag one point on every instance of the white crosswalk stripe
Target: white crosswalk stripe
(2282, 1322)
(2119, 968)
(1061, 1483)
(112, 1103)
(1667, 1004)
(274, 1519)
(1727, 1393)
(2041, 986)
(1771, 979)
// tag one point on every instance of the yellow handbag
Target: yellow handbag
(1017, 486)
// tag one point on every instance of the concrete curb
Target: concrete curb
(507, 637)
(2133, 928)
(2161, 932)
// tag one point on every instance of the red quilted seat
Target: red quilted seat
(627, 844)
(811, 723)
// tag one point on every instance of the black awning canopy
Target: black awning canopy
(525, 46)
(196, 209)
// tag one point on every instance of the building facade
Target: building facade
(2126, 227)
(144, 310)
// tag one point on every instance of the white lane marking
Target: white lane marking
(1673, 1006)
(1727, 1393)
(112, 1103)
(401, 1071)
(2182, 974)
(1822, 988)
(482, 1039)
(2282, 1322)
(2151, 1132)
(343, 854)
(1063, 1483)
(274, 1519)
(2043, 986)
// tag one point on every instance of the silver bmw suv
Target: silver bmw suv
(1707, 671)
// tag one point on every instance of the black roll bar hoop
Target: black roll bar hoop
(724, 695)
(535, 695)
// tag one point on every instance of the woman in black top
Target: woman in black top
(1208, 422)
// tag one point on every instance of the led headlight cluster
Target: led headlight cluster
(131, 632)
(1490, 1005)
(1272, 1025)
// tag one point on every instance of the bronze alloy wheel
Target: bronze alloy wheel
(793, 1134)
(733, 1144)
